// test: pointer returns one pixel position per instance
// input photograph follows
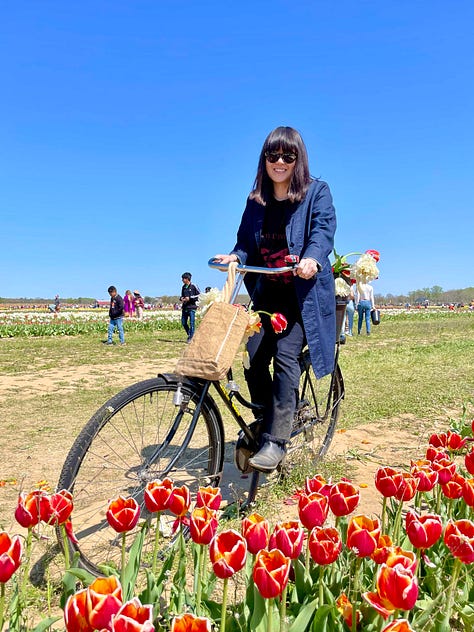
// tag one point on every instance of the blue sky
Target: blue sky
(130, 132)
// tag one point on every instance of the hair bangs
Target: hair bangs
(289, 141)
(282, 139)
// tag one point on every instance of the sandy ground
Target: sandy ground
(34, 453)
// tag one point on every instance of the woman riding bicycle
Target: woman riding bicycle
(287, 213)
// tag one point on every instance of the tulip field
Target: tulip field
(15, 323)
(320, 563)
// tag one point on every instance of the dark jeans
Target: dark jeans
(188, 314)
(363, 309)
(279, 395)
(115, 322)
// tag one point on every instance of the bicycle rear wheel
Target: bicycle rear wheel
(318, 410)
(139, 435)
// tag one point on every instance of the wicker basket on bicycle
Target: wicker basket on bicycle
(214, 346)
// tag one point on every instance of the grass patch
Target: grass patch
(410, 367)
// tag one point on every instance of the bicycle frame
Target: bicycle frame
(227, 396)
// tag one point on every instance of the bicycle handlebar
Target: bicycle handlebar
(242, 269)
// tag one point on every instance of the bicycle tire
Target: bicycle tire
(111, 457)
(318, 410)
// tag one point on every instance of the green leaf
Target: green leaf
(156, 585)
(133, 564)
(84, 576)
(320, 620)
(425, 609)
(467, 615)
(302, 583)
(258, 622)
(45, 624)
(69, 581)
(304, 617)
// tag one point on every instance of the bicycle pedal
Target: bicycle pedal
(284, 469)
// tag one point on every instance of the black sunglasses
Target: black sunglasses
(273, 156)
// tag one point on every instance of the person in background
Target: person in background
(57, 303)
(350, 309)
(287, 213)
(128, 304)
(139, 304)
(116, 316)
(189, 298)
(364, 303)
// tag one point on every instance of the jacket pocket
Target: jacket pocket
(326, 293)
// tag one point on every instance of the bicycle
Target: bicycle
(172, 427)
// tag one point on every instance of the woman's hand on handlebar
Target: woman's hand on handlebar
(225, 259)
(307, 268)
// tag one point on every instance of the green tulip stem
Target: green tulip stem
(398, 520)
(438, 498)
(450, 507)
(419, 556)
(417, 501)
(283, 609)
(200, 556)
(65, 546)
(307, 557)
(355, 591)
(452, 587)
(26, 566)
(224, 604)
(321, 586)
(122, 569)
(156, 544)
(2, 604)
(270, 616)
(384, 513)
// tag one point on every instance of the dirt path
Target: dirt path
(35, 455)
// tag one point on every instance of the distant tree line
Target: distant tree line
(435, 295)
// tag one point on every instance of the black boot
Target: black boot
(270, 455)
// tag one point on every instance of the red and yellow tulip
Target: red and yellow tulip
(202, 525)
(190, 623)
(459, 538)
(324, 545)
(363, 534)
(179, 501)
(387, 481)
(123, 514)
(157, 495)
(313, 509)
(271, 572)
(209, 497)
(32, 508)
(255, 529)
(227, 550)
(289, 538)
(343, 498)
(10, 555)
(423, 531)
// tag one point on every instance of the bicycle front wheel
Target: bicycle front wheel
(138, 436)
(318, 410)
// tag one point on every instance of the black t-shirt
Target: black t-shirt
(276, 292)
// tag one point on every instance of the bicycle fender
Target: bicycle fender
(173, 378)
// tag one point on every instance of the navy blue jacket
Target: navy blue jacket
(310, 233)
(116, 307)
(191, 292)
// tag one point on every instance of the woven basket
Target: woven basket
(214, 346)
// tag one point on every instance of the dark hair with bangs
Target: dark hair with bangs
(287, 140)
